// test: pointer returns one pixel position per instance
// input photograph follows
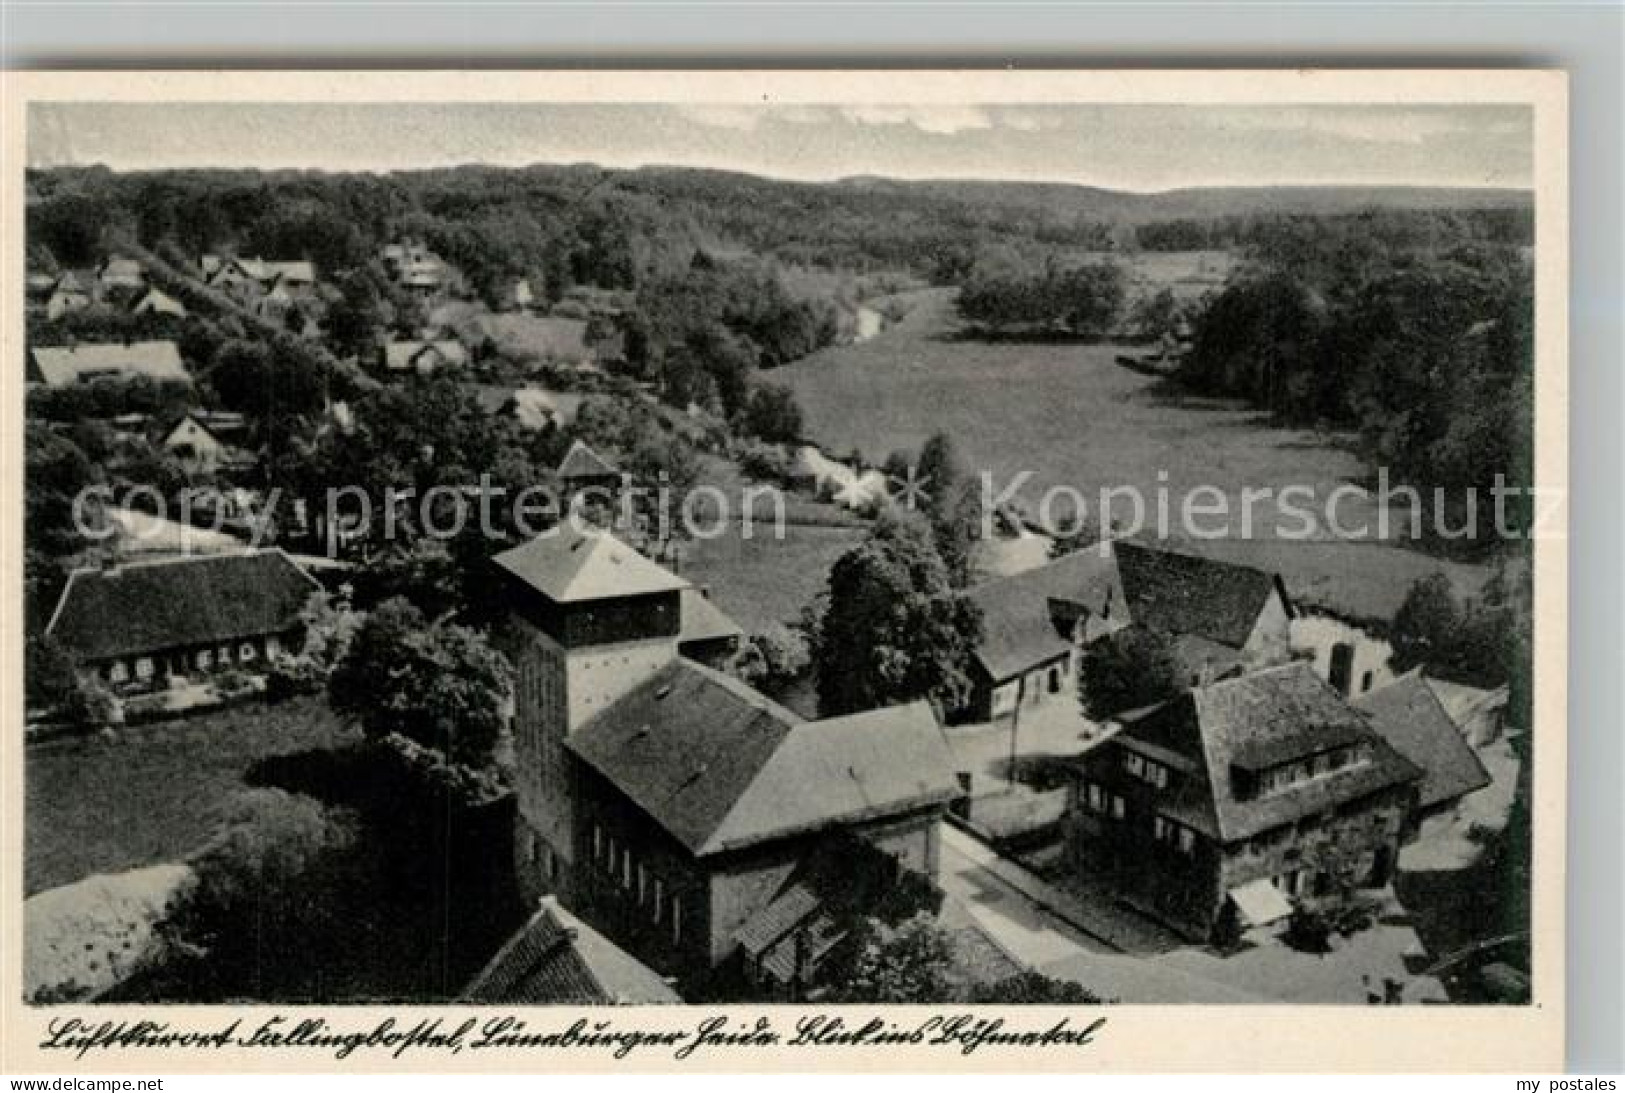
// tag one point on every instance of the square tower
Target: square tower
(589, 619)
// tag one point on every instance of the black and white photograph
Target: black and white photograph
(582, 552)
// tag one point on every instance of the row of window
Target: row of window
(1097, 800)
(1146, 770)
(1327, 762)
(634, 878)
(1102, 802)
(145, 667)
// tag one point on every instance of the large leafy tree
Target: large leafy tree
(1132, 668)
(894, 627)
(952, 504)
(441, 686)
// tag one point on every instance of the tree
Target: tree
(1132, 668)
(952, 504)
(911, 963)
(773, 414)
(1156, 317)
(1427, 625)
(895, 629)
(774, 659)
(441, 686)
(270, 886)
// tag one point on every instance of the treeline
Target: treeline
(582, 225)
(1392, 228)
(1427, 354)
(1078, 300)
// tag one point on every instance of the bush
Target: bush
(1308, 931)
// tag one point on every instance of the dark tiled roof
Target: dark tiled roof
(144, 607)
(1287, 710)
(556, 958)
(1409, 716)
(1210, 607)
(1184, 594)
(720, 766)
(1018, 633)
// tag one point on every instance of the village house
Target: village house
(424, 357)
(206, 440)
(556, 959)
(534, 408)
(1218, 617)
(67, 294)
(63, 366)
(582, 469)
(708, 635)
(1226, 807)
(157, 302)
(1410, 717)
(664, 801)
(249, 280)
(415, 268)
(153, 624)
(120, 276)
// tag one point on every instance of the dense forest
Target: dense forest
(1426, 352)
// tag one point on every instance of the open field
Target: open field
(152, 795)
(1068, 415)
(763, 579)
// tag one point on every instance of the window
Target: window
(1163, 830)
(1365, 682)
(660, 899)
(597, 843)
(223, 654)
(1094, 798)
(1187, 840)
(1341, 668)
(205, 658)
(246, 652)
(143, 668)
(119, 672)
(676, 919)
(626, 868)
(1134, 764)
(1119, 807)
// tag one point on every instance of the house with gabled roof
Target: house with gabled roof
(1218, 617)
(63, 366)
(207, 441)
(144, 625)
(1228, 806)
(556, 959)
(67, 294)
(424, 356)
(1409, 715)
(157, 302)
(582, 468)
(662, 800)
(118, 274)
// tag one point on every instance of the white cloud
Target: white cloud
(943, 120)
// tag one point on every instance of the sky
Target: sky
(1126, 147)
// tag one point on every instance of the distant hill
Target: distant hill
(1198, 203)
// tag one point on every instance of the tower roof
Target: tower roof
(575, 564)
